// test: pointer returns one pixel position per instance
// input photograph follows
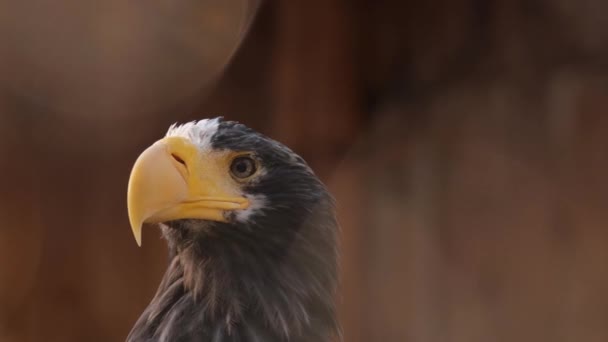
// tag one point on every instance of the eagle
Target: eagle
(252, 238)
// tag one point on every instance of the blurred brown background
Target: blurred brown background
(466, 142)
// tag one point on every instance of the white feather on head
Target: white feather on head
(198, 132)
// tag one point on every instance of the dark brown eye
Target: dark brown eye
(242, 167)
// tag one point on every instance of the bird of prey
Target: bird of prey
(252, 237)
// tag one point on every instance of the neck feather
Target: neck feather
(288, 279)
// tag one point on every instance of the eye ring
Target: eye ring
(243, 167)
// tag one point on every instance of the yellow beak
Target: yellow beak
(173, 180)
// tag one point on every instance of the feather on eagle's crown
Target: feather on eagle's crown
(199, 132)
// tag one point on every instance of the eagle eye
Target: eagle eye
(242, 167)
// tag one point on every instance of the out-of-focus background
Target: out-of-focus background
(466, 142)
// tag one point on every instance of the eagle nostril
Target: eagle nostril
(178, 159)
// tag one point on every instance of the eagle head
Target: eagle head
(251, 232)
